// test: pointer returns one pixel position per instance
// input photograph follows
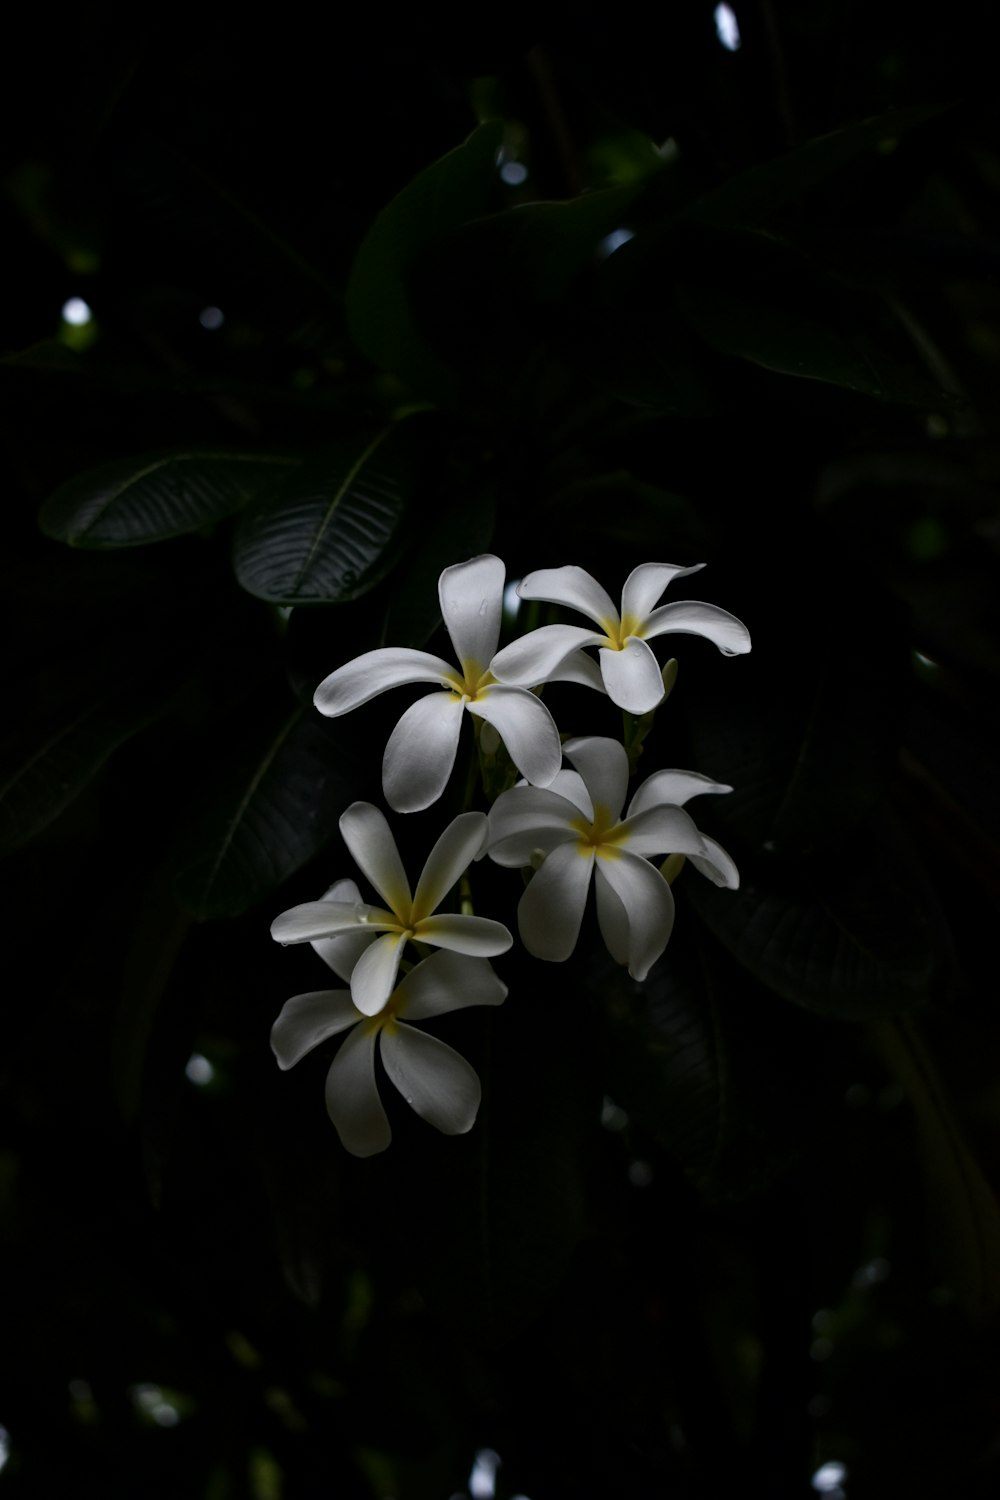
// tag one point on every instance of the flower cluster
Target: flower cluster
(564, 824)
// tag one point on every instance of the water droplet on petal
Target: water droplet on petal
(483, 607)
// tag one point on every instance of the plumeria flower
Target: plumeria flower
(629, 670)
(432, 1077)
(576, 828)
(421, 750)
(406, 917)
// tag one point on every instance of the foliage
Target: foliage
(721, 307)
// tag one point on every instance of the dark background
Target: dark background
(712, 1232)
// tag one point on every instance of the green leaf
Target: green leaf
(856, 935)
(805, 729)
(756, 298)
(726, 1077)
(755, 195)
(460, 186)
(328, 535)
(489, 295)
(154, 496)
(963, 1214)
(491, 1219)
(41, 780)
(452, 535)
(271, 814)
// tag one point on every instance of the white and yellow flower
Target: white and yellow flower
(407, 917)
(421, 751)
(575, 829)
(433, 1078)
(630, 671)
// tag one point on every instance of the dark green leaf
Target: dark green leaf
(489, 294)
(962, 1209)
(806, 729)
(154, 496)
(492, 1221)
(271, 814)
(755, 195)
(452, 535)
(726, 1077)
(856, 935)
(39, 781)
(328, 535)
(756, 298)
(459, 187)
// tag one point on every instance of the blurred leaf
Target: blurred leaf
(962, 1208)
(754, 297)
(620, 154)
(753, 196)
(452, 535)
(246, 243)
(727, 1078)
(491, 1221)
(486, 295)
(856, 935)
(329, 533)
(272, 813)
(806, 729)
(460, 186)
(39, 782)
(154, 496)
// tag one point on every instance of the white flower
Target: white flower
(630, 670)
(432, 1077)
(421, 751)
(409, 918)
(576, 824)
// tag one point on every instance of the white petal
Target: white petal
(573, 587)
(374, 976)
(369, 838)
(717, 865)
(540, 655)
(341, 953)
(672, 789)
(579, 668)
(632, 676)
(646, 583)
(647, 900)
(570, 784)
(551, 910)
(603, 764)
(451, 857)
(323, 919)
(447, 981)
(478, 936)
(375, 672)
(471, 596)
(352, 1100)
(662, 830)
(342, 891)
(691, 617)
(526, 728)
(528, 818)
(612, 918)
(433, 1078)
(307, 1020)
(421, 752)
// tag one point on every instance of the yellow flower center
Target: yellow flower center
(603, 835)
(472, 681)
(618, 631)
